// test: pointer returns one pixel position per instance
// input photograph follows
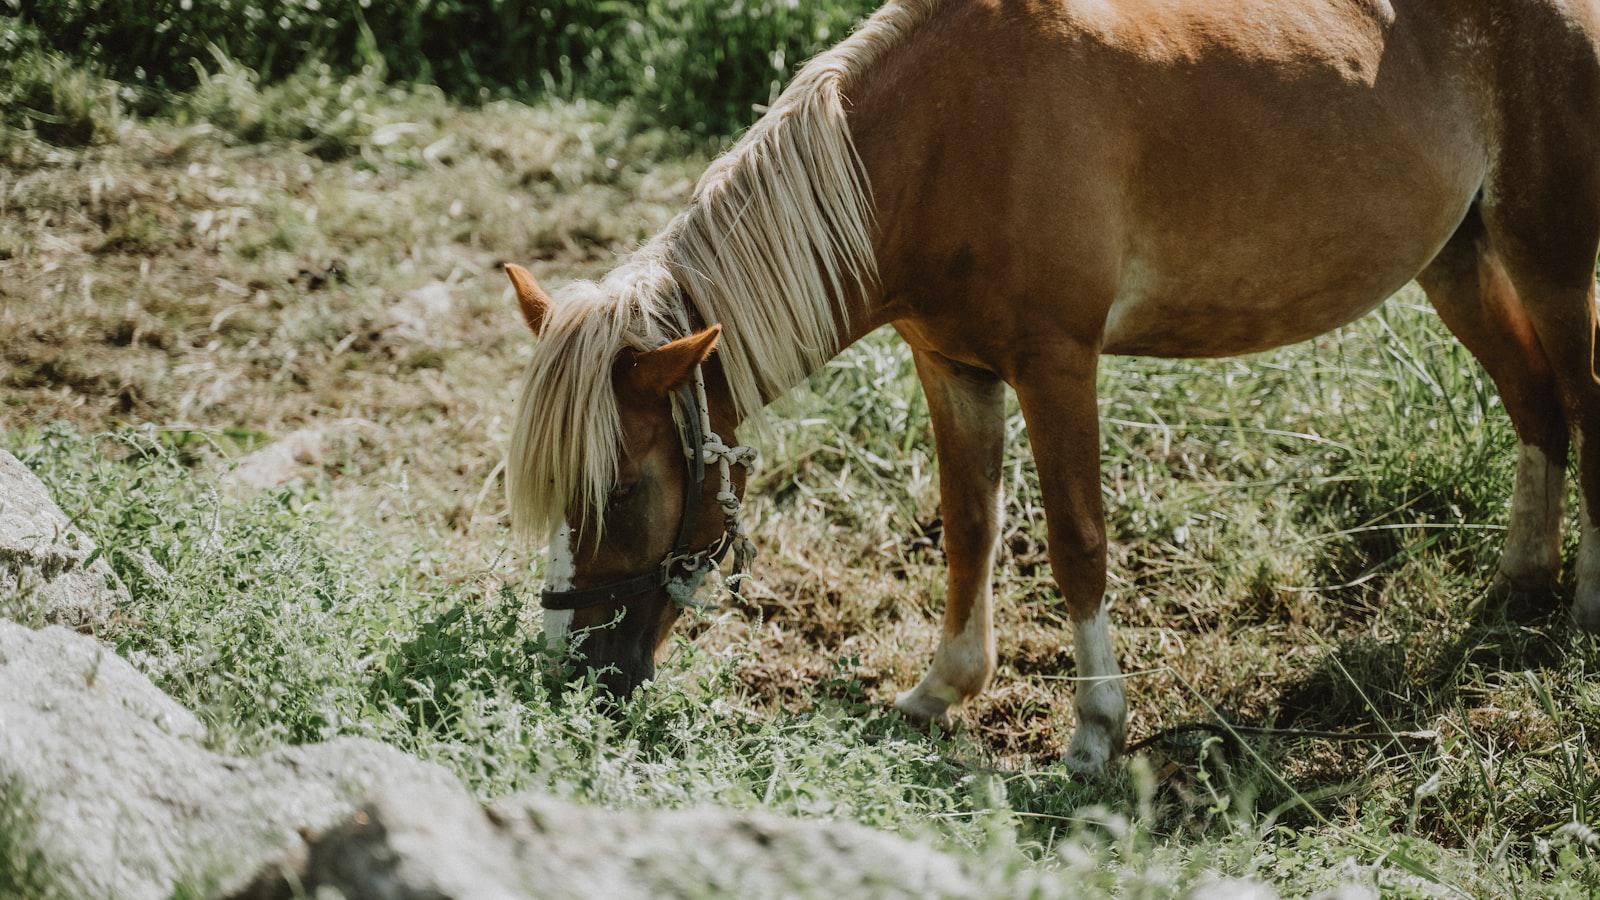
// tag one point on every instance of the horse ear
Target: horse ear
(533, 301)
(657, 372)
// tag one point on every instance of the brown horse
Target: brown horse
(1020, 186)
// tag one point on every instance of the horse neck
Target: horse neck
(858, 314)
(820, 102)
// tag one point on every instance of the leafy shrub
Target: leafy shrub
(704, 65)
(333, 115)
(696, 64)
(45, 93)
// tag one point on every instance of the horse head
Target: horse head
(619, 458)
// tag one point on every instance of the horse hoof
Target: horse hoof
(1090, 751)
(1522, 588)
(1519, 597)
(1086, 763)
(923, 709)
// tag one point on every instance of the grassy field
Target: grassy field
(1300, 539)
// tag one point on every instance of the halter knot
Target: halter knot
(714, 450)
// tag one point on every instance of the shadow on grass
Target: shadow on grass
(1407, 681)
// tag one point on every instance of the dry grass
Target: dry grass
(1300, 539)
(249, 291)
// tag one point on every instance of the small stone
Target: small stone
(281, 462)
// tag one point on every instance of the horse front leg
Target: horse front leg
(967, 408)
(1058, 402)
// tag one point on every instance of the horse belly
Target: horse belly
(1168, 179)
(1295, 204)
(1264, 268)
(1202, 312)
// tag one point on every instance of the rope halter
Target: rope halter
(682, 570)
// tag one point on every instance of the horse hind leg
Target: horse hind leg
(1541, 210)
(1469, 286)
(1550, 255)
(968, 413)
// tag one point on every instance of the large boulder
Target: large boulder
(440, 843)
(49, 570)
(123, 797)
(125, 800)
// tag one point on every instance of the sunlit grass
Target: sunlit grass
(1300, 539)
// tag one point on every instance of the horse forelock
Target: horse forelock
(567, 431)
(778, 231)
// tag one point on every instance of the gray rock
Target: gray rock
(49, 571)
(126, 799)
(291, 459)
(282, 462)
(439, 843)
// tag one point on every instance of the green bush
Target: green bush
(483, 648)
(697, 64)
(43, 92)
(331, 114)
(706, 65)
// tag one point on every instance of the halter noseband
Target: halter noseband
(680, 571)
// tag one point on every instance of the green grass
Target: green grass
(258, 621)
(1299, 539)
(24, 871)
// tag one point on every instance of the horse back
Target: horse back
(1178, 177)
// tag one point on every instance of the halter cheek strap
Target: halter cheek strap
(681, 570)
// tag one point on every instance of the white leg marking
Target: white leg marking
(1100, 704)
(960, 667)
(558, 571)
(963, 663)
(1532, 554)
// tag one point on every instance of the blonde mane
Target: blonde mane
(777, 228)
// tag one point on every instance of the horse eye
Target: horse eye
(621, 492)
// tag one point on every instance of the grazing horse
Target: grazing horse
(1021, 186)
